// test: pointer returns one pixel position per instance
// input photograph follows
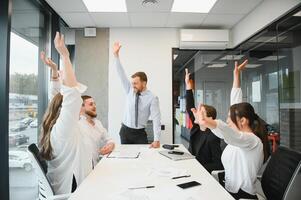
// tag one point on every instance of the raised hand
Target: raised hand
(187, 80)
(202, 119)
(239, 68)
(236, 73)
(59, 43)
(116, 49)
(51, 65)
(48, 61)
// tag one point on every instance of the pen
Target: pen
(185, 176)
(150, 186)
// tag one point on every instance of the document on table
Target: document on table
(124, 154)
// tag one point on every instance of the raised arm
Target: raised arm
(55, 85)
(189, 96)
(121, 73)
(71, 92)
(236, 92)
(69, 78)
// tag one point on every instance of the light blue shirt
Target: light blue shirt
(148, 105)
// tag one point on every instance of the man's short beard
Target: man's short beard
(91, 114)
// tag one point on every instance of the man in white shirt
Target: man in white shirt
(98, 138)
(92, 127)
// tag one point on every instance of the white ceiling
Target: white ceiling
(224, 14)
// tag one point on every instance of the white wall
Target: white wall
(148, 50)
(264, 14)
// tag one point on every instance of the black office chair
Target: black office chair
(281, 174)
(45, 190)
(293, 189)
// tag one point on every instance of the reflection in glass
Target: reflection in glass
(28, 38)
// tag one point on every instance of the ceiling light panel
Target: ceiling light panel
(232, 57)
(105, 5)
(217, 65)
(192, 6)
(253, 65)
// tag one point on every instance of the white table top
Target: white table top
(112, 177)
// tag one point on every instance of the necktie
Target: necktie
(136, 108)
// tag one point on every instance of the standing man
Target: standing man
(141, 104)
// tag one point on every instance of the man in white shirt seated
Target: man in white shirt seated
(98, 138)
(91, 126)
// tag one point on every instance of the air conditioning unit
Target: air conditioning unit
(204, 39)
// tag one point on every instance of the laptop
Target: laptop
(176, 157)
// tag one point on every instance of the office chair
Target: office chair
(293, 189)
(40, 166)
(281, 179)
(282, 174)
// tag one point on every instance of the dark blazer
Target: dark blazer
(204, 145)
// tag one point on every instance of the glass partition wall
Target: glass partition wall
(271, 82)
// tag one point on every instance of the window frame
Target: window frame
(53, 21)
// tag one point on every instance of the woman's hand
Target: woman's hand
(202, 119)
(236, 73)
(239, 68)
(59, 43)
(48, 61)
(51, 65)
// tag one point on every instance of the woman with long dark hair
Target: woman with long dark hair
(243, 132)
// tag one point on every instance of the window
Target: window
(29, 30)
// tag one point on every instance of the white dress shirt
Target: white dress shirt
(70, 149)
(98, 135)
(243, 156)
(148, 106)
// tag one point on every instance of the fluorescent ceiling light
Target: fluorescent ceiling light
(232, 57)
(217, 65)
(253, 65)
(272, 58)
(105, 5)
(192, 6)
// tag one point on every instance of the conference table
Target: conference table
(123, 177)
